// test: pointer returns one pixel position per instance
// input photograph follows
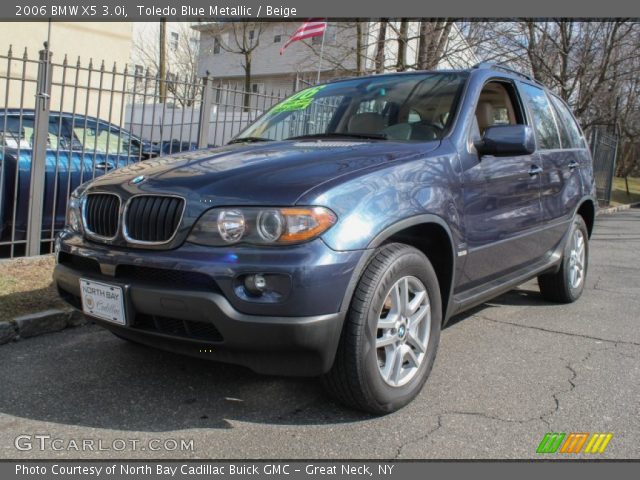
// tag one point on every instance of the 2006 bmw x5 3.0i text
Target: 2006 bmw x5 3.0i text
(338, 233)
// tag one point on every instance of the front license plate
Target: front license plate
(103, 301)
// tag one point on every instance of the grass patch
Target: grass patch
(619, 192)
(26, 286)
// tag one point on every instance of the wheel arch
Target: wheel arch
(587, 210)
(432, 236)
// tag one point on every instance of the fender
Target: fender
(387, 233)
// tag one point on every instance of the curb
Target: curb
(34, 324)
(619, 208)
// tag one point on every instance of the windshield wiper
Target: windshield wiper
(249, 140)
(370, 136)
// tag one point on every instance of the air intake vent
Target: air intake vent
(152, 219)
(178, 328)
(101, 214)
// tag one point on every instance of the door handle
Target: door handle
(535, 170)
(573, 165)
(104, 166)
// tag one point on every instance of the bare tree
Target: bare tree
(580, 60)
(181, 77)
(360, 67)
(401, 44)
(381, 44)
(433, 41)
(403, 41)
(345, 49)
(593, 65)
(243, 39)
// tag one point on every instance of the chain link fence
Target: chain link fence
(62, 124)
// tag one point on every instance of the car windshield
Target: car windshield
(414, 107)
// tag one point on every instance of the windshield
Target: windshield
(416, 107)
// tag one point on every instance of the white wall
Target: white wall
(266, 60)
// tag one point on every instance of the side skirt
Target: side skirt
(482, 293)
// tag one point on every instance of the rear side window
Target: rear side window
(569, 131)
(21, 134)
(543, 122)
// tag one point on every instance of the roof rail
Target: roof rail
(495, 66)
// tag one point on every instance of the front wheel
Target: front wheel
(567, 284)
(391, 333)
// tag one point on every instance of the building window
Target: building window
(252, 34)
(139, 70)
(216, 45)
(173, 40)
(257, 87)
(330, 35)
(277, 38)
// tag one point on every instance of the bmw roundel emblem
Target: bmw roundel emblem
(138, 180)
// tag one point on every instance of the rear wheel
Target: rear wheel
(390, 337)
(567, 284)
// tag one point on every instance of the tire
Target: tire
(567, 284)
(363, 375)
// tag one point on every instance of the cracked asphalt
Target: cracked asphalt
(506, 373)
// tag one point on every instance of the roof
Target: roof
(508, 72)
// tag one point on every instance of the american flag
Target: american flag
(313, 27)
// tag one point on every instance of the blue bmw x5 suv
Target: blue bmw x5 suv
(337, 234)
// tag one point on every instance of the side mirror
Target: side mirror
(506, 141)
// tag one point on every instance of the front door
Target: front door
(503, 212)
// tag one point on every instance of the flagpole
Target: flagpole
(321, 52)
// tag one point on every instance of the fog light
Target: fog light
(262, 287)
(260, 282)
(255, 284)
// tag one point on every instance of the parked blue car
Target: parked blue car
(337, 234)
(76, 152)
(79, 148)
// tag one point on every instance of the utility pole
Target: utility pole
(162, 73)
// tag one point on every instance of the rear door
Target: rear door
(560, 159)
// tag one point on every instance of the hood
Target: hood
(276, 173)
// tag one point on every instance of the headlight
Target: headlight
(231, 225)
(74, 216)
(261, 226)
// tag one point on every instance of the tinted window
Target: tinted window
(543, 122)
(103, 138)
(21, 134)
(569, 131)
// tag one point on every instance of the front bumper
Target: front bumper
(285, 338)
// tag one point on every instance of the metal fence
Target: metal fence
(62, 124)
(604, 149)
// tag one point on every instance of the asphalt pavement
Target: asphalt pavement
(506, 373)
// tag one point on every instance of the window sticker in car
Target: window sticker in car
(299, 101)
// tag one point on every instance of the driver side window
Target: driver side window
(496, 106)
